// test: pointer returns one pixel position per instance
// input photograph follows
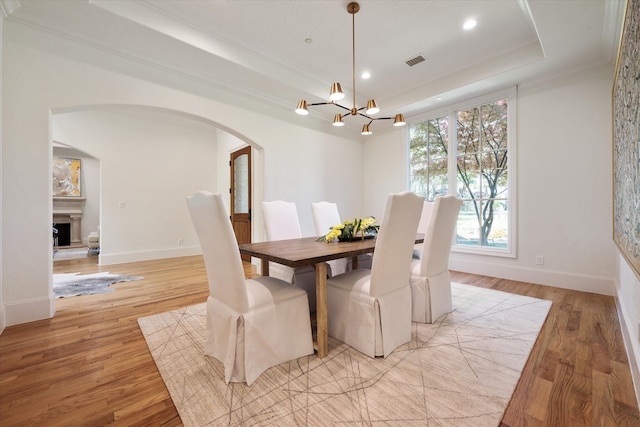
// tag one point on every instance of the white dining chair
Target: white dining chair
(370, 310)
(281, 223)
(252, 324)
(325, 216)
(422, 227)
(430, 280)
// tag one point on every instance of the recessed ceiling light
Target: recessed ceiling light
(365, 75)
(308, 40)
(470, 23)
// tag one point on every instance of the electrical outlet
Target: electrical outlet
(180, 242)
(539, 260)
(123, 204)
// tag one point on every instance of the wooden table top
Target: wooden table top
(308, 250)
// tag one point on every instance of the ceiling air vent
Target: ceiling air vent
(415, 60)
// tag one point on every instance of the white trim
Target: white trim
(485, 267)
(123, 258)
(29, 310)
(3, 319)
(633, 351)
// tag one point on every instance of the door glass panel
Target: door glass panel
(241, 184)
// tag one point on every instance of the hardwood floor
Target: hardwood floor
(90, 366)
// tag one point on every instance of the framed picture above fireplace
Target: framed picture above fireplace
(66, 177)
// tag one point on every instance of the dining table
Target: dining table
(316, 252)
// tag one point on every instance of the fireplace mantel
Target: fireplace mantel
(68, 210)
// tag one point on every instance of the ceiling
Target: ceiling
(266, 55)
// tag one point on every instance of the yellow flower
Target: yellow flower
(352, 229)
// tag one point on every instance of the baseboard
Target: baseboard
(3, 320)
(123, 258)
(31, 310)
(573, 281)
(633, 350)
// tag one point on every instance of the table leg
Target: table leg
(321, 309)
(265, 267)
(354, 262)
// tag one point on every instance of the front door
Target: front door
(240, 193)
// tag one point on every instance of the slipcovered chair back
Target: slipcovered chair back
(219, 249)
(439, 235)
(399, 226)
(281, 223)
(281, 220)
(427, 207)
(325, 216)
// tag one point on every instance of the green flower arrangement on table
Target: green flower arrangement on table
(349, 230)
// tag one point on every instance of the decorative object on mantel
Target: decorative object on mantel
(352, 229)
(336, 93)
(75, 284)
(66, 177)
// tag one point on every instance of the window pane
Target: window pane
(438, 185)
(482, 176)
(468, 131)
(469, 177)
(468, 229)
(494, 126)
(419, 177)
(241, 184)
(429, 157)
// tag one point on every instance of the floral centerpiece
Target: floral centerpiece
(349, 230)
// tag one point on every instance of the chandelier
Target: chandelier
(336, 93)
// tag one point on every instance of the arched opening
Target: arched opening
(150, 160)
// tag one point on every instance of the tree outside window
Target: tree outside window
(477, 148)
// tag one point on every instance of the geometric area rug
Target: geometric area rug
(74, 284)
(459, 371)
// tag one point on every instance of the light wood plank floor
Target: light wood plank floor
(90, 366)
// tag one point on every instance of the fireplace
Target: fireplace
(67, 215)
(62, 233)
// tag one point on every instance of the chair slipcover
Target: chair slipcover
(371, 309)
(252, 324)
(325, 216)
(281, 223)
(422, 227)
(430, 280)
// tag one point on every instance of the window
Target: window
(467, 152)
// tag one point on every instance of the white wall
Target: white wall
(564, 186)
(299, 164)
(2, 311)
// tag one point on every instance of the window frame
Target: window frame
(510, 94)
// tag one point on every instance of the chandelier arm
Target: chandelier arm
(341, 106)
(332, 103)
(321, 103)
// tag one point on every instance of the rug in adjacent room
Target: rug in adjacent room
(459, 371)
(75, 284)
